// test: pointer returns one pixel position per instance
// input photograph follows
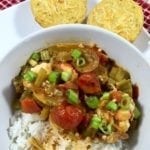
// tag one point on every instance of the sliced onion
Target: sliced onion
(47, 100)
(92, 61)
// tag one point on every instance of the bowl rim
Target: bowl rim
(74, 26)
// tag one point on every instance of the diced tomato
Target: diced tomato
(135, 92)
(28, 105)
(81, 95)
(89, 83)
(103, 58)
(67, 116)
(116, 95)
(85, 122)
(68, 85)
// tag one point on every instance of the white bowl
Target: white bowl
(117, 48)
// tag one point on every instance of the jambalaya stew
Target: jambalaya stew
(79, 89)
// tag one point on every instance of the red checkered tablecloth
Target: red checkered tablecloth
(146, 9)
(144, 3)
(7, 3)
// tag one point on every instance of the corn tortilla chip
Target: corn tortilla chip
(53, 12)
(124, 17)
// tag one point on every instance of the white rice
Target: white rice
(23, 126)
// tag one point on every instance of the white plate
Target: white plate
(17, 22)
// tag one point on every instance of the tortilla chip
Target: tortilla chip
(53, 12)
(124, 17)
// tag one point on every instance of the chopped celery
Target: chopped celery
(32, 62)
(122, 74)
(54, 77)
(113, 72)
(35, 56)
(45, 55)
(125, 86)
(42, 75)
(24, 69)
(76, 53)
(30, 76)
(73, 97)
(137, 113)
(118, 74)
(111, 81)
(92, 102)
(66, 75)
